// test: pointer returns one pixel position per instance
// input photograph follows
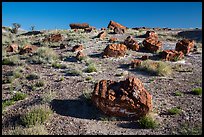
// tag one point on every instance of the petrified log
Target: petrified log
(28, 49)
(113, 24)
(79, 26)
(77, 48)
(12, 48)
(115, 50)
(118, 30)
(126, 98)
(152, 44)
(185, 45)
(131, 43)
(135, 63)
(101, 35)
(172, 55)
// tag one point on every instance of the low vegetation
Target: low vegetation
(148, 122)
(197, 91)
(174, 111)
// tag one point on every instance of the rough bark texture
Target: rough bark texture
(131, 43)
(126, 98)
(152, 44)
(12, 48)
(185, 45)
(79, 26)
(115, 50)
(172, 55)
(77, 48)
(28, 49)
(113, 24)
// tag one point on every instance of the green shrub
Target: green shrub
(74, 72)
(174, 110)
(39, 83)
(178, 93)
(19, 96)
(155, 68)
(7, 103)
(87, 94)
(48, 97)
(91, 68)
(148, 122)
(36, 115)
(32, 76)
(8, 79)
(11, 60)
(197, 91)
(88, 78)
(58, 65)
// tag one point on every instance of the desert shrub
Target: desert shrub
(7, 103)
(197, 91)
(91, 68)
(58, 65)
(37, 115)
(11, 60)
(32, 76)
(19, 96)
(39, 83)
(8, 79)
(34, 130)
(148, 122)
(174, 111)
(87, 94)
(178, 93)
(155, 68)
(190, 129)
(17, 73)
(48, 97)
(44, 55)
(74, 72)
(88, 78)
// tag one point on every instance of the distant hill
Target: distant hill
(192, 34)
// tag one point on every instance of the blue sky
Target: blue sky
(52, 15)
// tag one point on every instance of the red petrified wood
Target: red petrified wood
(185, 46)
(131, 43)
(77, 48)
(172, 55)
(126, 98)
(115, 50)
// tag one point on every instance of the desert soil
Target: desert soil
(73, 114)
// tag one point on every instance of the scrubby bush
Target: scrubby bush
(91, 68)
(197, 91)
(32, 76)
(37, 115)
(174, 110)
(19, 96)
(148, 122)
(11, 60)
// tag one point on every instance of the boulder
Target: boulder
(79, 26)
(80, 55)
(144, 57)
(77, 48)
(152, 44)
(126, 98)
(185, 45)
(151, 34)
(115, 50)
(12, 48)
(172, 55)
(131, 43)
(88, 30)
(113, 24)
(53, 38)
(135, 63)
(118, 30)
(102, 35)
(28, 49)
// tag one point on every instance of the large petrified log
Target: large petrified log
(113, 24)
(126, 98)
(115, 50)
(131, 43)
(151, 34)
(152, 44)
(172, 55)
(28, 49)
(53, 38)
(79, 25)
(185, 45)
(102, 35)
(77, 48)
(12, 48)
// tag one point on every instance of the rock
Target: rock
(126, 98)
(185, 45)
(12, 48)
(113, 24)
(118, 30)
(79, 26)
(151, 34)
(113, 39)
(115, 50)
(80, 55)
(77, 48)
(88, 30)
(101, 35)
(145, 57)
(152, 44)
(53, 38)
(135, 63)
(131, 43)
(63, 46)
(28, 49)
(172, 55)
